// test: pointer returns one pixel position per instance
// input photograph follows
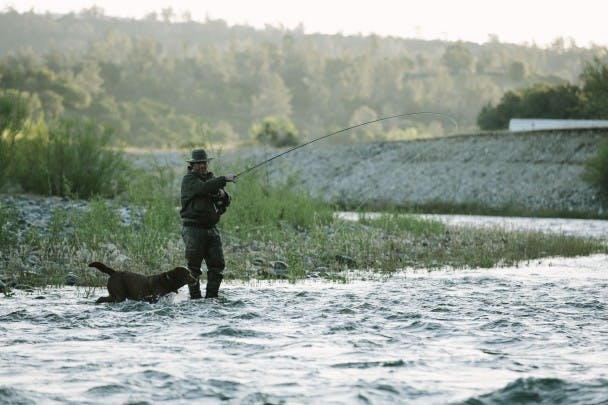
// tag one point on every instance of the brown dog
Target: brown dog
(128, 285)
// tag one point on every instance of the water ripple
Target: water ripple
(530, 334)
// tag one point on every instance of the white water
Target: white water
(533, 331)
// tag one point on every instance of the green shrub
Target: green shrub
(8, 225)
(401, 223)
(255, 205)
(7, 150)
(69, 157)
(596, 169)
(277, 132)
(15, 109)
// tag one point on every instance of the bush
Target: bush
(277, 132)
(15, 109)
(596, 169)
(256, 205)
(564, 101)
(69, 157)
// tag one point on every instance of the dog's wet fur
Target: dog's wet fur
(124, 285)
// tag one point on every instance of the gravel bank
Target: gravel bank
(538, 170)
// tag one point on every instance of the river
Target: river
(534, 333)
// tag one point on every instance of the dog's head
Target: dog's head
(179, 277)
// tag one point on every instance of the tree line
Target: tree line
(589, 100)
(162, 83)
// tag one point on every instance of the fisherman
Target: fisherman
(203, 201)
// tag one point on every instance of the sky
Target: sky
(537, 22)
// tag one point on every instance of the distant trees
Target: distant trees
(517, 71)
(457, 58)
(595, 87)
(275, 131)
(596, 169)
(163, 84)
(563, 101)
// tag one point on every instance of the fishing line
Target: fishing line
(344, 130)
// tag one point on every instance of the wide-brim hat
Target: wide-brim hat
(199, 156)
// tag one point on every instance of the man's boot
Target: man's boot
(195, 288)
(213, 284)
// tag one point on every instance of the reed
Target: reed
(67, 157)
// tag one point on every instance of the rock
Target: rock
(278, 265)
(269, 272)
(24, 287)
(110, 247)
(347, 260)
(34, 260)
(71, 279)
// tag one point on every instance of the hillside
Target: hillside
(161, 83)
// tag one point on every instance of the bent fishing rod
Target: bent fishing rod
(344, 130)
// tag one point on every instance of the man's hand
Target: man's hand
(231, 178)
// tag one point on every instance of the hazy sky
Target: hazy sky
(518, 21)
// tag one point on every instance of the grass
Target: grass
(140, 229)
(474, 208)
(65, 157)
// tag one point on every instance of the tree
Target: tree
(15, 108)
(517, 71)
(457, 58)
(540, 101)
(273, 98)
(275, 131)
(595, 88)
(367, 132)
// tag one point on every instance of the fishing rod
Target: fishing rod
(344, 130)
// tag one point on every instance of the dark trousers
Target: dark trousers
(203, 244)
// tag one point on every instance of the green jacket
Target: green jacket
(201, 204)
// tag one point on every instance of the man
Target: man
(203, 200)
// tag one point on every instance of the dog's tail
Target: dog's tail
(102, 267)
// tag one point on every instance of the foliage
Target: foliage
(539, 101)
(69, 157)
(517, 71)
(157, 81)
(8, 225)
(256, 204)
(595, 79)
(563, 101)
(596, 169)
(275, 131)
(457, 58)
(404, 223)
(15, 108)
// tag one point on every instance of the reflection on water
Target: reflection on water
(515, 335)
(595, 228)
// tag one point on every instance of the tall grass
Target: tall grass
(596, 169)
(7, 151)
(69, 157)
(8, 226)
(261, 206)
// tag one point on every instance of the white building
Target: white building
(531, 124)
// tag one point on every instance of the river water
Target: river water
(593, 228)
(537, 333)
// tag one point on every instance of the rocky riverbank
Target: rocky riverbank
(534, 171)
